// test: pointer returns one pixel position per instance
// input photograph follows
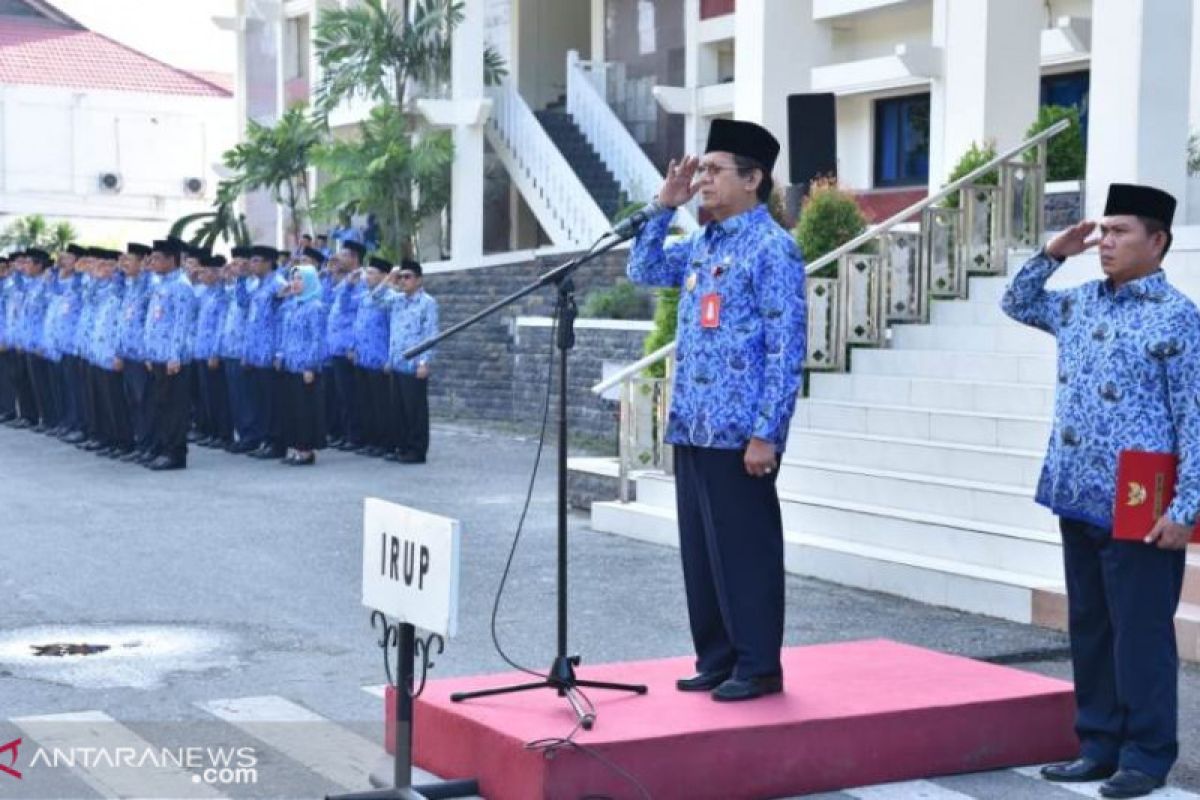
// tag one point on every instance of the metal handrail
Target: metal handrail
(864, 237)
(634, 368)
(942, 194)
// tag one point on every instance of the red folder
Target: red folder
(1145, 487)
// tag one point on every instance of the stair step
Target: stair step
(968, 312)
(976, 501)
(969, 462)
(1005, 398)
(918, 531)
(938, 581)
(1014, 338)
(962, 427)
(990, 367)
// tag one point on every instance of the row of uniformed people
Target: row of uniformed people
(214, 338)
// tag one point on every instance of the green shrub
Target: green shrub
(666, 310)
(1066, 156)
(973, 159)
(829, 218)
(622, 300)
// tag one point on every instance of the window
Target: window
(1068, 89)
(902, 141)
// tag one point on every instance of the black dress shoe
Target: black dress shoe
(244, 446)
(145, 458)
(336, 443)
(39, 428)
(164, 463)
(345, 446)
(703, 681)
(736, 689)
(1081, 770)
(20, 423)
(302, 461)
(106, 451)
(374, 451)
(75, 437)
(7, 418)
(1130, 783)
(132, 455)
(412, 458)
(265, 452)
(92, 445)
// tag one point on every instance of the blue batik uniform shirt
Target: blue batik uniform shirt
(169, 319)
(209, 317)
(62, 316)
(232, 344)
(343, 308)
(737, 380)
(38, 294)
(371, 332)
(261, 342)
(1128, 379)
(131, 327)
(106, 323)
(414, 318)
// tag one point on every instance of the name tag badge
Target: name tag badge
(710, 311)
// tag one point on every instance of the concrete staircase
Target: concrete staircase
(584, 160)
(913, 473)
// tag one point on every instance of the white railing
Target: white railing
(604, 131)
(553, 191)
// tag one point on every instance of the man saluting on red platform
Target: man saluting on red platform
(1128, 381)
(739, 356)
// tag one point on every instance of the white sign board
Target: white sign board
(410, 565)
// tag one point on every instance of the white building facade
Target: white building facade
(917, 82)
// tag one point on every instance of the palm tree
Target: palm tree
(275, 158)
(34, 231)
(365, 175)
(223, 222)
(375, 50)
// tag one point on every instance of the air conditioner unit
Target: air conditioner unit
(109, 182)
(193, 187)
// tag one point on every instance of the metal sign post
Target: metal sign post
(410, 572)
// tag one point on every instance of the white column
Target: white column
(1138, 126)
(989, 85)
(466, 182)
(778, 44)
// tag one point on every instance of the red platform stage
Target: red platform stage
(851, 714)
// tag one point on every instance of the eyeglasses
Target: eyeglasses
(713, 169)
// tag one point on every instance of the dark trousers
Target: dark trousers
(371, 404)
(58, 391)
(72, 394)
(731, 544)
(333, 417)
(1121, 601)
(114, 409)
(260, 396)
(240, 412)
(97, 422)
(39, 377)
(8, 389)
(410, 408)
(304, 427)
(215, 419)
(136, 381)
(18, 370)
(343, 390)
(170, 399)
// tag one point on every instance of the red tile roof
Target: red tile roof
(43, 53)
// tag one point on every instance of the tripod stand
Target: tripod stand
(561, 676)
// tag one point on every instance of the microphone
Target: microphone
(629, 227)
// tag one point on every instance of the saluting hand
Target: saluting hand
(679, 188)
(1169, 535)
(1073, 241)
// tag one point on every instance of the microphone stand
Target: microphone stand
(561, 676)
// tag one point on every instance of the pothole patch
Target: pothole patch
(102, 657)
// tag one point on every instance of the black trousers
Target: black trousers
(731, 545)
(1121, 602)
(170, 400)
(410, 407)
(215, 418)
(18, 370)
(97, 423)
(344, 384)
(136, 381)
(260, 400)
(240, 413)
(114, 409)
(8, 389)
(39, 377)
(304, 427)
(371, 403)
(73, 394)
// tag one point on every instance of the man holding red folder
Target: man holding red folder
(1128, 383)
